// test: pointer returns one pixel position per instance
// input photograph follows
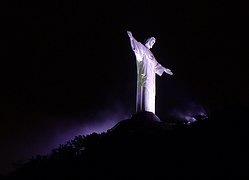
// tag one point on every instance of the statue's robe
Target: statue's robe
(147, 68)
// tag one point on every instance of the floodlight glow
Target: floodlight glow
(189, 113)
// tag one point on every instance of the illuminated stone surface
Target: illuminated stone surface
(147, 68)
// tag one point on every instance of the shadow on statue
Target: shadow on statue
(145, 116)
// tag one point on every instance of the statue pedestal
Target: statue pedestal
(145, 116)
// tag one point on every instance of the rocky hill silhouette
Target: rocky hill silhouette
(142, 147)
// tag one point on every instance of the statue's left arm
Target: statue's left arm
(159, 69)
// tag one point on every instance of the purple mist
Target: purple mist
(40, 138)
(189, 112)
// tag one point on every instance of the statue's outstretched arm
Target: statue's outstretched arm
(133, 41)
(160, 70)
(168, 71)
(129, 34)
(136, 46)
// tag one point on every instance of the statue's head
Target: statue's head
(150, 42)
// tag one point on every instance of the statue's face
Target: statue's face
(150, 42)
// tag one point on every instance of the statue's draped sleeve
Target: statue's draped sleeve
(159, 69)
(137, 47)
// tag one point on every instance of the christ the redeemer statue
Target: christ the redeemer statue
(147, 68)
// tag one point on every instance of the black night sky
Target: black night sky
(67, 66)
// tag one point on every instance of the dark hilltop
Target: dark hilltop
(143, 147)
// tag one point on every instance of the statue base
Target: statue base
(145, 116)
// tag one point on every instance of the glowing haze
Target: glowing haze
(189, 112)
(50, 132)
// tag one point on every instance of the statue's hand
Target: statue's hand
(129, 34)
(168, 71)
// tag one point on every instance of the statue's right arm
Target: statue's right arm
(136, 46)
(133, 41)
(129, 34)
